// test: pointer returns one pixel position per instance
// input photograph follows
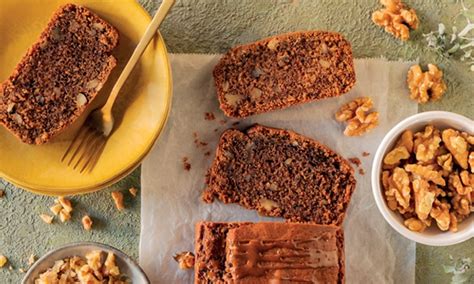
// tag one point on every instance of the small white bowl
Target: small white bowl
(432, 236)
(127, 266)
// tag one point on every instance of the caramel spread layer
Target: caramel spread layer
(272, 252)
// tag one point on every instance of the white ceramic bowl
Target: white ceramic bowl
(127, 266)
(432, 236)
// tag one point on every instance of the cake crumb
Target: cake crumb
(361, 171)
(204, 144)
(356, 161)
(117, 196)
(3, 260)
(185, 259)
(133, 191)
(46, 218)
(31, 259)
(186, 164)
(209, 116)
(216, 129)
(222, 121)
(236, 123)
(2, 193)
(207, 154)
(87, 222)
(365, 154)
(21, 270)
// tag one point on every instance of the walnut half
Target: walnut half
(396, 18)
(185, 259)
(425, 86)
(358, 117)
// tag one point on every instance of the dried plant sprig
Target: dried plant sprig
(458, 269)
(455, 44)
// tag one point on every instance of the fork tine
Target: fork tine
(71, 146)
(84, 141)
(94, 157)
(95, 138)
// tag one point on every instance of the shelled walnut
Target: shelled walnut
(396, 18)
(358, 116)
(425, 86)
(426, 178)
(185, 259)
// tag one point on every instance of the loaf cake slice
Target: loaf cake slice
(280, 173)
(268, 253)
(59, 75)
(281, 71)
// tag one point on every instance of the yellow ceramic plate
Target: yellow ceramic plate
(140, 111)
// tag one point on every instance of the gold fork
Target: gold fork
(88, 144)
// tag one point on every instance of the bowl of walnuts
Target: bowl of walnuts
(423, 178)
(85, 262)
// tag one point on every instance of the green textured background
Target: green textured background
(212, 26)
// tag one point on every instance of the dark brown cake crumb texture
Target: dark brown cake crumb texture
(59, 75)
(282, 71)
(280, 173)
(365, 154)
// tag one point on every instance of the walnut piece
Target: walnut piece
(133, 191)
(86, 223)
(406, 140)
(3, 260)
(399, 187)
(427, 173)
(46, 218)
(110, 268)
(415, 225)
(356, 114)
(396, 19)
(440, 213)
(56, 208)
(267, 204)
(31, 259)
(471, 161)
(445, 161)
(425, 86)
(424, 198)
(396, 155)
(457, 145)
(185, 260)
(426, 144)
(117, 196)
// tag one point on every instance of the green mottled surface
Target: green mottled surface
(213, 26)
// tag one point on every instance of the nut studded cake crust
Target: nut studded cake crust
(281, 173)
(285, 70)
(268, 253)
(59, 75)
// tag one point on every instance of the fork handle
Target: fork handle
(137, 53)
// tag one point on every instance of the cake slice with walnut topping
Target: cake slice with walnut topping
(59, 75)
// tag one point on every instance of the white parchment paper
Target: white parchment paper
(171, 196)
